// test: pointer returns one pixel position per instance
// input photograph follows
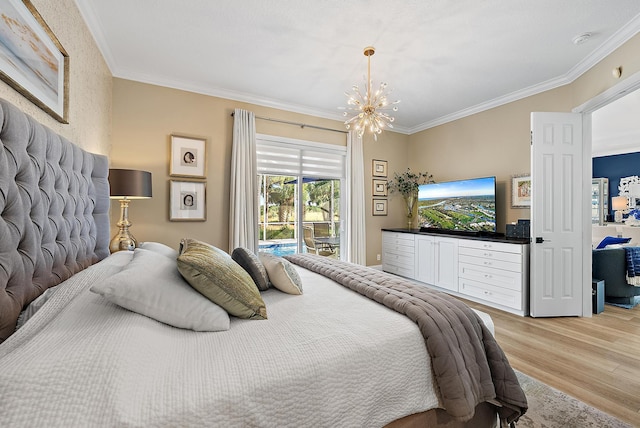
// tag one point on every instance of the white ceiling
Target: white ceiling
(444, 59)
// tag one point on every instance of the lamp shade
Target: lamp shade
(129, 184)
(619, 203)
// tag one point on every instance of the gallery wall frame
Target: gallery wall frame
(379, 207)
(379, 168)
(379, 187)
(32, 60)
(188, 156)
(521, 191)
(187, 200)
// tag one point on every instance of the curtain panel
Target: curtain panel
(243, 207)
(356, 229)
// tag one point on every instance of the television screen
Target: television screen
(463, 205)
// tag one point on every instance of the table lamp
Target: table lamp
(127, 184)
(618, 204)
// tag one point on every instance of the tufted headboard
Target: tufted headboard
(54, 211)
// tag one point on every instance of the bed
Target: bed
(129, 339)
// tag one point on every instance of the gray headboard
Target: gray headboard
(54, 211)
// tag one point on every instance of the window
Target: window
(300, 186)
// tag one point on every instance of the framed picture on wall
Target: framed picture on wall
(379, 168)
(379, 187)
(187, 201)
(379, 207)
(187, 156)
(32, 60)
(521, 191)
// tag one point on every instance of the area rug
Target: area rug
(550, 408)
(636, 302)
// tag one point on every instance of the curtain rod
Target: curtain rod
(301, 125)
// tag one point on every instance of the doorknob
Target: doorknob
(539, 240)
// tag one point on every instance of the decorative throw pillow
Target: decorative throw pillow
(152, 286)
(213, 273)
(254, 267)
(160, 248)
(282, 274)
(611, 240)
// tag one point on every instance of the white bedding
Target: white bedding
(82, 361)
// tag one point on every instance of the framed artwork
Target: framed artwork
(379, 187)
(521, 191)
(187, 156)
(187, 201)
(32, 60)
(379, 207)
(379, 168)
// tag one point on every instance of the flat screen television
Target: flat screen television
(463, 206)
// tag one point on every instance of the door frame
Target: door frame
(615, 92)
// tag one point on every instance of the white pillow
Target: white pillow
(282, 274)
(151, 285)
(160, 248)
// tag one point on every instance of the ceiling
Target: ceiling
(443, 59)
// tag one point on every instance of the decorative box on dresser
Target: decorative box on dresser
(491, 270)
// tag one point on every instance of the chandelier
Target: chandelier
(369, 110)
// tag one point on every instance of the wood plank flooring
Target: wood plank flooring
(596, 360)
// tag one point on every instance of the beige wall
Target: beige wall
(89, 81)
(145, 116)
(497, 141)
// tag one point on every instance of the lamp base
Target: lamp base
(617, 217)
(122, 242)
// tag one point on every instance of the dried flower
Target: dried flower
(407, 183)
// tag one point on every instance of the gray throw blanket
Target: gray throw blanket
(469, 366)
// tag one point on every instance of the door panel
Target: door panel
(556, 219)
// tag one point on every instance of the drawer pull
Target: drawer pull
(488, 263)
(486, 275)
(487, 254)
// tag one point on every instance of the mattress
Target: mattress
(84, 361)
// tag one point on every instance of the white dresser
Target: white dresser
(398, 253)
(494, 272)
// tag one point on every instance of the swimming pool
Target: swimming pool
(283, 249)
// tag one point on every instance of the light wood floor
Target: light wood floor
(596, 360)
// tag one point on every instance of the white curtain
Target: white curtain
(355, 202)
(243, 211)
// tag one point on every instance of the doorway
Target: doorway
(606, 98)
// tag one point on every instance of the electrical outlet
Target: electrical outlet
(378, 257)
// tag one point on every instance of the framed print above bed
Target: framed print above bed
(187, 201)
(187, 156)
(32, 60)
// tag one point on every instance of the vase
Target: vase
(410, 205)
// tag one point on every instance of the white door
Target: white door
(556, 215)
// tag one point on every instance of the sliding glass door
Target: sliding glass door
(299, 214)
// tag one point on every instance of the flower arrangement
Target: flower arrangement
(407, 183)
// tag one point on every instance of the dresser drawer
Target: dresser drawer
(491, 262)
(501, 296)
(492, 246)
(398, 238)
(490, 254)
(496, 277)
(398, 270)
(398, 259)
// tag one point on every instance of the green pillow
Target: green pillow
(215, 275)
